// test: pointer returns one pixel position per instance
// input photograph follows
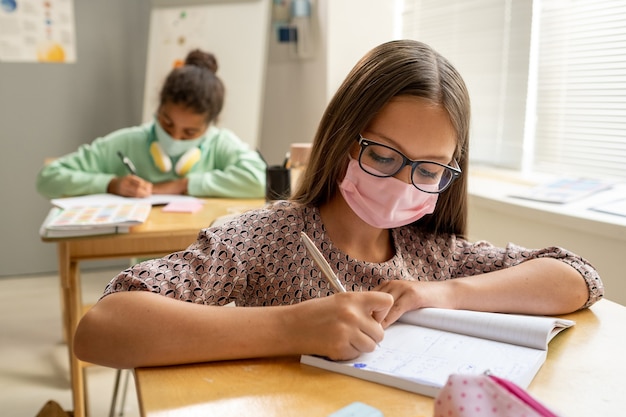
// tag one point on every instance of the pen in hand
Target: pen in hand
(128, 163)
(321, 262)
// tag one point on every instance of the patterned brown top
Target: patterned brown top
(259, 260)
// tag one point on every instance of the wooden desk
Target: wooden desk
(162, 233)
(583, 376)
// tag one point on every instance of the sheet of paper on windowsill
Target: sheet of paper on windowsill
(617, 207)
(563, 190)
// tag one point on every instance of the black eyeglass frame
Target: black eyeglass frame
(456, 172)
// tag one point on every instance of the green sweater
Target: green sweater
(227, 168)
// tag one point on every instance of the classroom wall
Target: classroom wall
(48, 110)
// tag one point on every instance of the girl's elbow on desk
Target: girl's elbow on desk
(89, 341)
(111, 331)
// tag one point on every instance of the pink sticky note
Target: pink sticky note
(183, 206)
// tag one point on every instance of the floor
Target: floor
(33, 356)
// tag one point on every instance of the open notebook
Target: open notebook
(420, 351)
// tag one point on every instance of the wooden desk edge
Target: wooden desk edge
(551, 386)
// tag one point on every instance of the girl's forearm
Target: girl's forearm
(135, 329)
(538, 286)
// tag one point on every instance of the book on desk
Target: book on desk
(90, 220)
(425, 346)
(102, 214)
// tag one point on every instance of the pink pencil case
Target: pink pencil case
(486, 395)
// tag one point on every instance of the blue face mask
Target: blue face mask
(174, 147)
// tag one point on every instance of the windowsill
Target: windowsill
(490, 188)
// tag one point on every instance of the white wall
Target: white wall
(294, 98)
(297, 90)
(241, 59)
(354, 27)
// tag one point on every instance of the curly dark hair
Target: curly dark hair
(195, 85)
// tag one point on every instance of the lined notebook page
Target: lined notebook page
(530, 331)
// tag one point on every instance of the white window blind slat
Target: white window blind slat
(482, 38)
(581, 99)
(577, 99)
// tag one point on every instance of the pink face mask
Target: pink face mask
(384, 203)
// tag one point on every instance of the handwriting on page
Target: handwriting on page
(429, 355)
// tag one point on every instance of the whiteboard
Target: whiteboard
(236, 32)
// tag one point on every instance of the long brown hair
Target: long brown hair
(395, 68)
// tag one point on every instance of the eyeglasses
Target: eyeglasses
(384, 161)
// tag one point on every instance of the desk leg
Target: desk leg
(72, 312)
(63, 265)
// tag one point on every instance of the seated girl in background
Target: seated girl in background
(384, 198)
(180, 152)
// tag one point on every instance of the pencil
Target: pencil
(128, 163)
(321, 262)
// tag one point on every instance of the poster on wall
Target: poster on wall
(37, 31)
(236, 32)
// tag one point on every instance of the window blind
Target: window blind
(570, 118)
(488, 41)
(581, 88)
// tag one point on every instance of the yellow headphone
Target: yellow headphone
(164, 162)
